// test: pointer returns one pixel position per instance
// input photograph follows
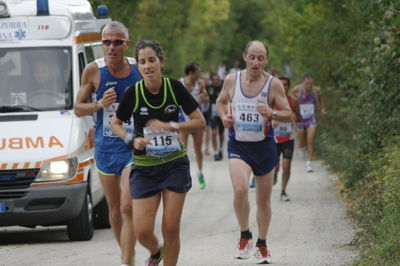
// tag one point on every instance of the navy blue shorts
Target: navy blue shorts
(147, 181)
(261, 156)
(108, 163)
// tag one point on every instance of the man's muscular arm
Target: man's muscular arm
(89, 83)
(223, 101)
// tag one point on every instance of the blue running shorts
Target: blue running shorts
(261, 156)
(108, 163)
(147, 181)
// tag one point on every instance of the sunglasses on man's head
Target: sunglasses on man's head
(116, 42)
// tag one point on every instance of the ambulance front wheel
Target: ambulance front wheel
(100, 211)
(81, 227)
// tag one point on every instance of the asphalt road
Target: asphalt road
(311, 229)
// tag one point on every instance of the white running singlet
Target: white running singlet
(249, 124)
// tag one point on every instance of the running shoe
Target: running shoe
(217, 156)
(153, 261)
(284, 197)
(252, 183)
(133, 264)
(202, 182)
(262, 255)
(243, 248)
(221, 155)
(309, 167)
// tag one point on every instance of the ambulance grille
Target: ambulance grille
(14, 182)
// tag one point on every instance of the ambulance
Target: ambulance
(47, 172)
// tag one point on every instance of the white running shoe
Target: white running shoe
(309, 167)
(284, 197)
(262, 255)
(243, 248)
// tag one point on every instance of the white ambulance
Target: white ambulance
(47, 172)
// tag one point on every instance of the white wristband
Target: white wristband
(128, 139)
(174, 125)
(100, 104)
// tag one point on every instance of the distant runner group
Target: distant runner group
(143, 124)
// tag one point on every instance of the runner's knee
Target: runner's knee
(115, 214)
(143, 233)
(263, 204)
(126, 209)
(170, 230)
(241, 192)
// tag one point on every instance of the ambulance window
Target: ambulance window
(98, 51)
(36, 78)
(89, 54)
(82, 64)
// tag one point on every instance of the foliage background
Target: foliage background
(351, 47)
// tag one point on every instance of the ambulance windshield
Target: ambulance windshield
(35, 79)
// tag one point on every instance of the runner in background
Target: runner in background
(218, 130)
(207, 113)
(285, 142)
(273, 71)
(311, 103)
(235, 67)
(221, 71)
(195, 85)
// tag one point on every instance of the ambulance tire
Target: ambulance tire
(81, 227)
(100, 217)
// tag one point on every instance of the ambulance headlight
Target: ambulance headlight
(57, 170)
(3, 10)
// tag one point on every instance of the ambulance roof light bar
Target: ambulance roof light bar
(4, 10)
(42, 7)
(102, 11)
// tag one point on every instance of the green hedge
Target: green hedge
(359, 137)
(378, 208)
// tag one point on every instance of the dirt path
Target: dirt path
(311, 229)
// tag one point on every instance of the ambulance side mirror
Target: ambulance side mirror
(4, 10)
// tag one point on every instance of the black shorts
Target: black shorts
(147, 181)
(207, 117)
(216, 122)
(286, 149)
